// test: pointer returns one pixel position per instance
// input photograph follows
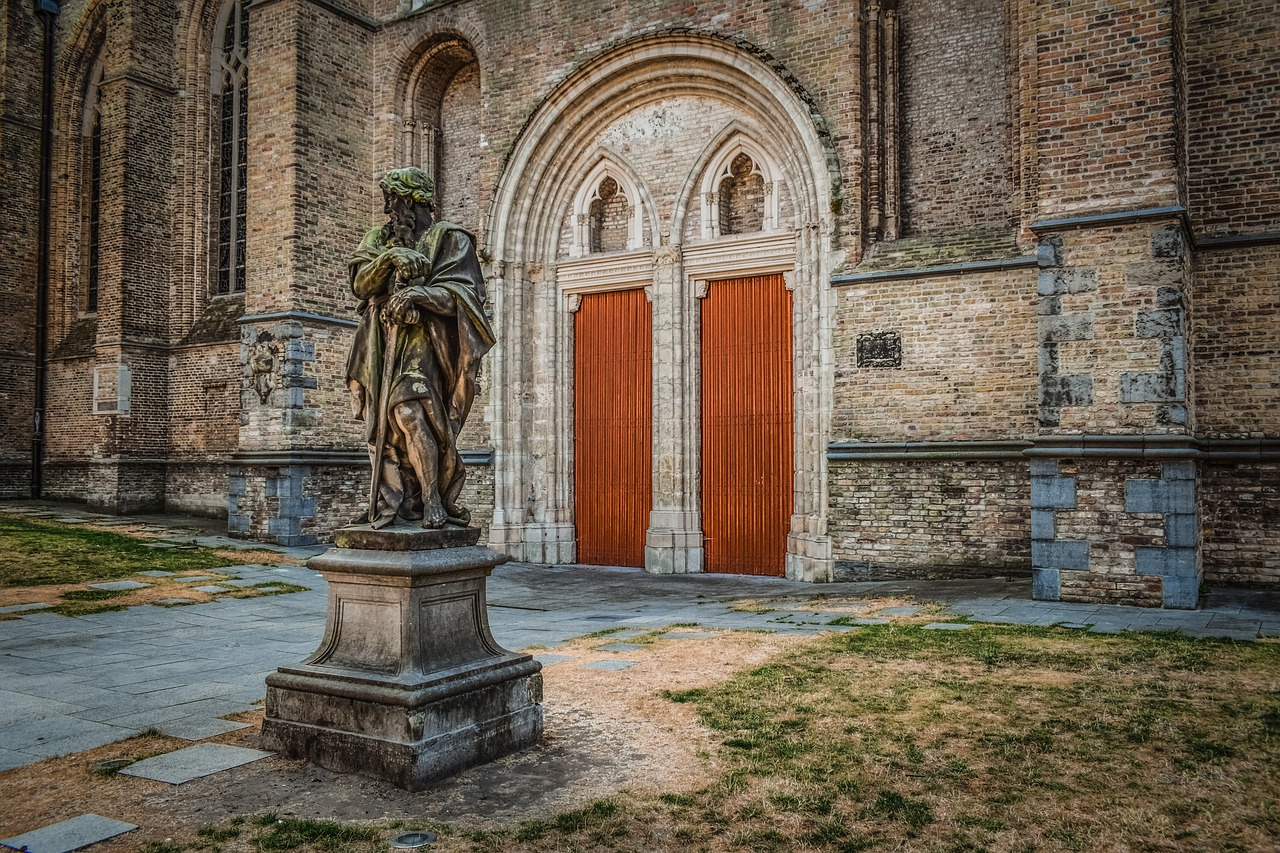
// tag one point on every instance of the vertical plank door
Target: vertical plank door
(613, 427)
(746, 425)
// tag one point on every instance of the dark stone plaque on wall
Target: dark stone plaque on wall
(880, 349)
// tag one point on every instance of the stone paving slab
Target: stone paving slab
(688, 635)
(203, 759)
(24, 709)
(25, 608)
(211, 589)
(899, 611)
(612, 665)
(119, 586)
(549, 659)
(11, 758)
(74, 834)
(194, 579)
(620, 647)
(947, 626)
(199, 728)
(156, 573)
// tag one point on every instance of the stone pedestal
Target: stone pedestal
(408, 684)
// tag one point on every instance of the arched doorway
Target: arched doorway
(668, 109)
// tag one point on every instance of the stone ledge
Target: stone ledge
(404, 537)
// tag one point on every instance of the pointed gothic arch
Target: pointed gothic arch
(531, 414)
(628, 186)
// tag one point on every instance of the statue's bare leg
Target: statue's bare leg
(423, 454)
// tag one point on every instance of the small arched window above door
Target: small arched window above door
(608, 214)
(739, 191)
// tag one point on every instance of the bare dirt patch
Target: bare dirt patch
(606, 731)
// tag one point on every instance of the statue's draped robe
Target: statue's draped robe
(436, 362)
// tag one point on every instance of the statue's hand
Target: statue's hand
(409, 263)
(400, 308)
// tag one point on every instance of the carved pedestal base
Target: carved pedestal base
(408, 684)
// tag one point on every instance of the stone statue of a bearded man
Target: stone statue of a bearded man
(414, 364)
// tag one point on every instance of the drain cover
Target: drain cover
(413, 840)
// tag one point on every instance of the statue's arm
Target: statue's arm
(372, 277)
(456, 263)
(437, 300)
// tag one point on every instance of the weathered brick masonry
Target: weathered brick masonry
(1032, 250)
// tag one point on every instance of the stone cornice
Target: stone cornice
(1107, 220)
(595, 273)
(934, 271)
(755, 254)
(300, 316)
(1003, 450)
(1156, 447)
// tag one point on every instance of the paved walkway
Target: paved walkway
(70, 684)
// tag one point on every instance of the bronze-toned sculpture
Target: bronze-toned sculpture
(413, 366)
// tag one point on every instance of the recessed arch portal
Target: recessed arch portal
(625, 99)
(439, 92)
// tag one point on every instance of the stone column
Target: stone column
(809, 551)
(531, 418)
(673, 542)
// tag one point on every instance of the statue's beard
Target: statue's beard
(402, 226)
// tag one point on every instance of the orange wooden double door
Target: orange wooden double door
(746, 426)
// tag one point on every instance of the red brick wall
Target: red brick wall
(956, 152)
(1233, 141)
(1106, 106)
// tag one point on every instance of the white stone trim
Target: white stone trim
(762, 164)
(599, 273)
(589, 191)
(739, 256)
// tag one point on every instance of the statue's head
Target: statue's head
(410, 183)
(408, 198)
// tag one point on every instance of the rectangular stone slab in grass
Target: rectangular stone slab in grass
(198, 728)
(74, 834)
(119, 585)
(193, 762)
(22, 608)
(613, 665)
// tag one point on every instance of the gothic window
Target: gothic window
(233, 147)
(742, 198)
(609, 219)
(93, 200)
(95, 192)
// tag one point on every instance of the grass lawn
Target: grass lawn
(897, 738)
(37, 553)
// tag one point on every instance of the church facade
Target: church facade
(844, 290)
